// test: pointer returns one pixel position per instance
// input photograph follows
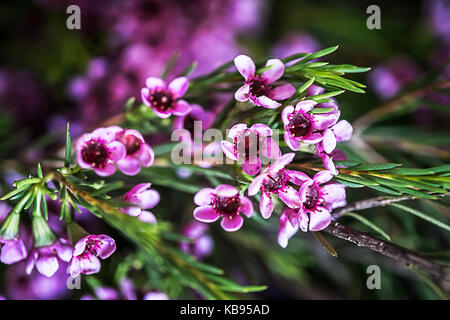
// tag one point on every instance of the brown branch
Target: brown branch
(408, 257)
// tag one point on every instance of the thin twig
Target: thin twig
(408, 257)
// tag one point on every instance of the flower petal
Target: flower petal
(147, 217)
(204, 197)
(343, 130)
(178, 87)
(290, 197)
(255, 186)
(328, 163)
(305, 105)
(291, 142)
(242, 94)
(108, 170)
(182, 108)
(282, 92)
(246, 206)
(270, 148)
(266, 205)
(13, 251)
(334, 194)
(225, 190)
(329, 141)
(303, 219)
(236, 130)
(252, 166)
(146, 156)
(228, 149)
(281, 162)
(232, 224)
(89, 264)
(313, 138)
(323, 121)
(47, 265)
(262, 129)
(319, 219)
(297, 177)
(117, 150)
(206, 214)
(274, 73)
(129, 166)
(285, 231)
(323, 176)
(105, 246)
(245, 66)
(148, 199)
(155, 83)
(285, 114)
(266, 102)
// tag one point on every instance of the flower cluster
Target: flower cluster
(309, 201)
(104, 149)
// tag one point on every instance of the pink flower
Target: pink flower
(165, 99)
(99, 150)
(302, 126)
(86, 252)
(154, 295)
(286, 229)
(138, 153)
(317, 201)
(248, 144)
(223, 201)
(326, 149)
(144, 198)
(46, 258)
(258, 88)
(202, 244)
(188, 121)
(12, 250)
(274, 180)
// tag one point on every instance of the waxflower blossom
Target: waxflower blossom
(11, 244)
(318, 200)
(87, 251)
(165, 99)
(223, 201)
(249, 144)
(258, 88)
(46, 258)
(302, 126)
(273, 180)
(99, 150)
(138, 153)
(202, 244)
(143, 198)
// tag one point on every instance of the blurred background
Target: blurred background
(50, 75)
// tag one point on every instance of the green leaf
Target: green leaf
(305, 86)
(321, 110)
(320, 53)
(378, 166)
(356, 179)
(422, 216)
(368, 224)
(326, 95)
(439, 169)
(385, 190)
(411, 172)
(349, 184)
(325, 244)
(68, 154)
(415, 193)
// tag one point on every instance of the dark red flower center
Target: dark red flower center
(313, 198)
(248, 144)
(161, 100)
(95, 153)
(259, 88)
(131, 143)
(275, 182)
(299, 125)
(227, 205)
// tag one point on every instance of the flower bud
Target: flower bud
(42, 234)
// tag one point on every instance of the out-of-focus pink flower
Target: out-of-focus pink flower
(154, 295)
(144, 198)
(197, 116)
(258, 88)
(273, 180)
(302, 126)
(223, 201)
(438, 13)
(202, 244)
(12, 250)
(99, 150)
(87, 251)
(138, 153)
(46, 258)
(249, 144)
(165, 99)
(393, 75)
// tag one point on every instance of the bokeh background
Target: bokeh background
(50, 75)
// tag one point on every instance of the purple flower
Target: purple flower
(99, 150)
(258, 88)
(248, 144)
(223, 201)
(294, 43)
(165, 99)
(138, 153)
(12, 250)
(144, 198)
(202, 244)
(86, 252)
(46, 258)
(317, 201)
(274, 180)
(188, 122)
(302, 126)
(393, 75)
